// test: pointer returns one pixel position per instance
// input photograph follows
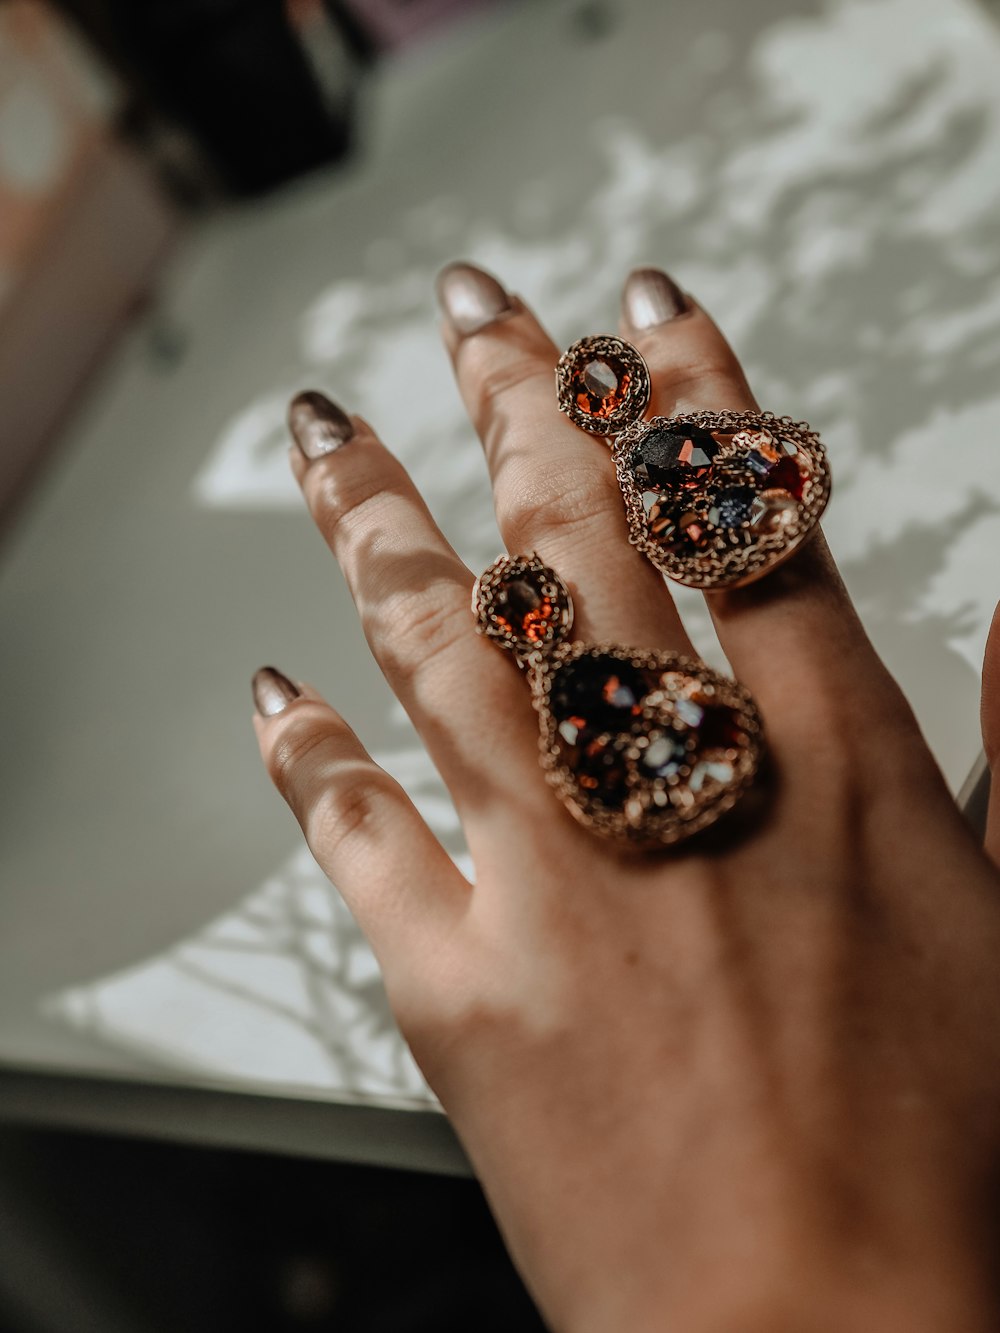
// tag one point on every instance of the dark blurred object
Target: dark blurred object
(594, 19)
(241, 77)
(383, 25)
(131, 1237)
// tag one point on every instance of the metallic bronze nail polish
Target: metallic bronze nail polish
(471, 298)
(318, 425)
(273, 691)
(650, 298)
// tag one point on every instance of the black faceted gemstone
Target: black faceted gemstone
(684, 530)
(673, 458)
(596, 762)
(605, 693)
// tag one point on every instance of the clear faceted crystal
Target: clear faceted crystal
(673, 458)
(599, 379)
(773, 510)
(664, 755)
(706, 771)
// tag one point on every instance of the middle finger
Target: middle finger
(554, 491)
(412, 593)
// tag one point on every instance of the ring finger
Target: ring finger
(800, 615)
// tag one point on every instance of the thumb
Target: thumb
(990, 717)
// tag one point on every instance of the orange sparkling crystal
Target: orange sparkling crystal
(601, 386)
(524, 610)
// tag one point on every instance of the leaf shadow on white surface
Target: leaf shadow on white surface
(843, 221)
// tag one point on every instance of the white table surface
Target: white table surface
(171, 961)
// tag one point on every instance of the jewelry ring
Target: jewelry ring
(713, 499)
(640, 746)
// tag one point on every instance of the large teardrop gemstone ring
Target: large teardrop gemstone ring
(714, 499)
(640, 746)
(718, 499)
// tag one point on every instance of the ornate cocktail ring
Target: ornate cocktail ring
(641, 746)
(714, 499)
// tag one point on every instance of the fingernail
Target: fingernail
(650, 298)
(272, 691)
(470, 297)
(318, 425)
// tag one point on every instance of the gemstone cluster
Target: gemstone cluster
(648, 737)
(640, 745)
(713, 501)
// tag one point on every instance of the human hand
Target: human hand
(749, 1083)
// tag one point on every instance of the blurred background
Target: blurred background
(208, 1120)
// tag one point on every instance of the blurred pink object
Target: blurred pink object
(395, 23)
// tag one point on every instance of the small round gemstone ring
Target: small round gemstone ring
(643, 747)
(602, 384)
(714, 499)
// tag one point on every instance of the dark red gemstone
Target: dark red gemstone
(719, 729)
(785, 475)
(672, 458)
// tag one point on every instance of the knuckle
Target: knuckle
(334, 789)
(293, 761)
(705, 378)
(350, 810)
(417, 1007)
(859, 734)
(495, 379)
(480, 1002)
(533, 506)
(432, 990)
(825, 722)
(341, 500)
(416, 628)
